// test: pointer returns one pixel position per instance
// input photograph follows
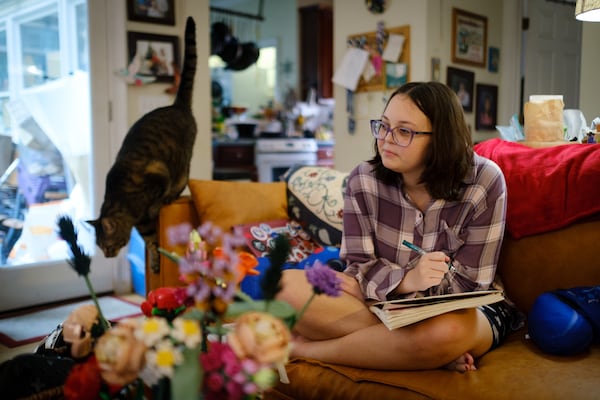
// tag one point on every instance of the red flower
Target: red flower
(84, 381)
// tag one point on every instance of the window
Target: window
(44, 93)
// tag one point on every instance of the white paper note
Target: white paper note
(351, 67)
(393, 48)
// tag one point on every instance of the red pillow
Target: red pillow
(548, 188)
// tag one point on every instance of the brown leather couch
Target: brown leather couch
(562, 258)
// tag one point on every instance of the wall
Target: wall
(141, 99)
(589, 89)
(430, 23)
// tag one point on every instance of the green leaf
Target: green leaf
(170, 255)
(187, 377)
(277, 308)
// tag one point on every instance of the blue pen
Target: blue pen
(420, 251)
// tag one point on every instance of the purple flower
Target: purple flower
(323, 279)
(179, 234)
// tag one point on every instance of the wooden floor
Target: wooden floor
(6, 353)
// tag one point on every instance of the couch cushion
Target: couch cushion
(515, 370)
(316, 198)
(228, 203)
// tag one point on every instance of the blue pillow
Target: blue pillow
(556, 327)
(251, 283)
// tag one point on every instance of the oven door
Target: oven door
(271, 166)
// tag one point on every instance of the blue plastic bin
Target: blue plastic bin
(137, 262)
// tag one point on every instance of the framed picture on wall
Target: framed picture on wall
(493, 59)
(486, 108)
(461, 81)
(157, 55)
(153, 11)
(469, 38)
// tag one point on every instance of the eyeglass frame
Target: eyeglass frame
(388, 130)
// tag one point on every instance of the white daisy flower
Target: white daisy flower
(164, 358)
(187, 331)
(152, 330)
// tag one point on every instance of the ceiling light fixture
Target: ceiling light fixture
(587, 10)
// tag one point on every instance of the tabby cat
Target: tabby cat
(152, 167)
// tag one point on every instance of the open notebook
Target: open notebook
(397, 313)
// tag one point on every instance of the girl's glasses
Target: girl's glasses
(401, 136)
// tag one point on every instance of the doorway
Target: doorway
(46, 60)
(552, 50)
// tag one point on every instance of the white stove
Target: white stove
(274, 156)
(285, 145)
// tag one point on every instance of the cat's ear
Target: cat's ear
(109, 226)
(92, 222)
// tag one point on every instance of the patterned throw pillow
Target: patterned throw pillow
(316, 198)
(260, 238)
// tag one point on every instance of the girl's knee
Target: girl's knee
(294, 287)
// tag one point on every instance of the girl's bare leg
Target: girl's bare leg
(342, 330)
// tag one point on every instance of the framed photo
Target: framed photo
(486, 108)
(469, 38)
(493, 59)
(462, 82)
(153, 11)
(158, 55)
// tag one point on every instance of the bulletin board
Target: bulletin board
(379, 82)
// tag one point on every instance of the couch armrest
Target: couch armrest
(559, 259)
(180, 211)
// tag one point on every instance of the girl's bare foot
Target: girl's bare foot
(464, 363)
(297, 345)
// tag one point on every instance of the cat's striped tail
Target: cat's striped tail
(186, 84)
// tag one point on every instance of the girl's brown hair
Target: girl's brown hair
(450, 153)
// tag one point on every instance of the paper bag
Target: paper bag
(544, 121)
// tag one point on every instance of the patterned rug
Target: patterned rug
(34, 326)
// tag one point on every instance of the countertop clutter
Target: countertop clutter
(243, 159)
(263, 145)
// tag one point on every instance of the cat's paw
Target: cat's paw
(154, 259)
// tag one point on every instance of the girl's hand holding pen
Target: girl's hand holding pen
(428, 272)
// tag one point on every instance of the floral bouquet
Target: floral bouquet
(204, 340)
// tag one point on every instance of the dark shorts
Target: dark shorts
(504, 320)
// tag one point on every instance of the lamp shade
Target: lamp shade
(587, 10)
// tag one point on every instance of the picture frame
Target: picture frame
(158, 54)
(469, 38)
(493, 59)
(155, 12)
(486, 107)
(462, 82)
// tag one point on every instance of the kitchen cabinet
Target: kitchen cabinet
(316, 50)
(234, 160)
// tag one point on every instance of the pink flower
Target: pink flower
(260, 336)
(214, 381)
(211, 361)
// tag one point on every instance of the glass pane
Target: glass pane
(253, 87)
(40, 50)
(3, 63)
(51, 129)
(83, 51)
